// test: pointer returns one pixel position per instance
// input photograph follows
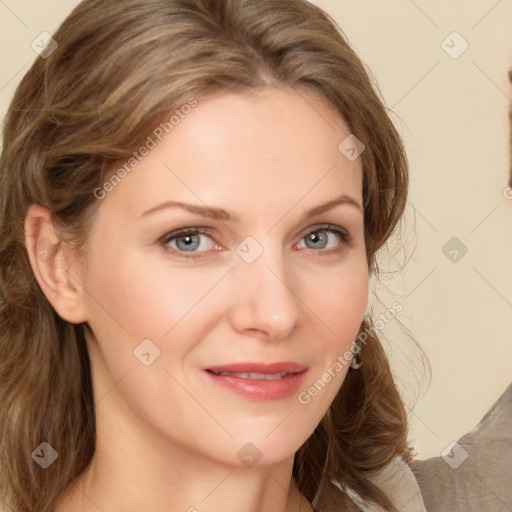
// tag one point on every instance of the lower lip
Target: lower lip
(260, 389)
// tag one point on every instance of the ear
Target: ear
(53, 264)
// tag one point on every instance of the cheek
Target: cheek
(131, 296)
(345, 299)
(340, 300)
(340, 305)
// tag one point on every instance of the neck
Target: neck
(131, 471)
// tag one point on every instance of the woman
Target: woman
(193, 196)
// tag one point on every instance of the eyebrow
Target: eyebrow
(221, 214)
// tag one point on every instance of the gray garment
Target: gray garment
(397, 481)
(476, 475)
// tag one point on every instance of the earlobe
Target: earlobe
(50, 262)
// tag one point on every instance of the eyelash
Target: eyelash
(344, 236)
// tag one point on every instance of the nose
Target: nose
(266, 299)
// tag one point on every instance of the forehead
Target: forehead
(248, 150)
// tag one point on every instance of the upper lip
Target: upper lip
(265, 368)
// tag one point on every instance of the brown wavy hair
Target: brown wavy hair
(118, 70)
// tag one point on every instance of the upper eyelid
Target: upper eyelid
(325, 227)
(184, 231)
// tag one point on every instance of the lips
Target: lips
(259, 381)
(254, 376)
(259, 368)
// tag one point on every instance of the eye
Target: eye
(189, 240)
(195, 242)
(326, 239)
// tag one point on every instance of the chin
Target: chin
(271, 446)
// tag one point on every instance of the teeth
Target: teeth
(256, 376)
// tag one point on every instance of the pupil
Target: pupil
(315, 238)
(187, 241)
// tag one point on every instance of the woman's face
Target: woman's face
(244, 275)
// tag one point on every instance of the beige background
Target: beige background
(452, 113)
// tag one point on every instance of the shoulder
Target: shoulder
(399, 483)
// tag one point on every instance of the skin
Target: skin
(167, 437)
